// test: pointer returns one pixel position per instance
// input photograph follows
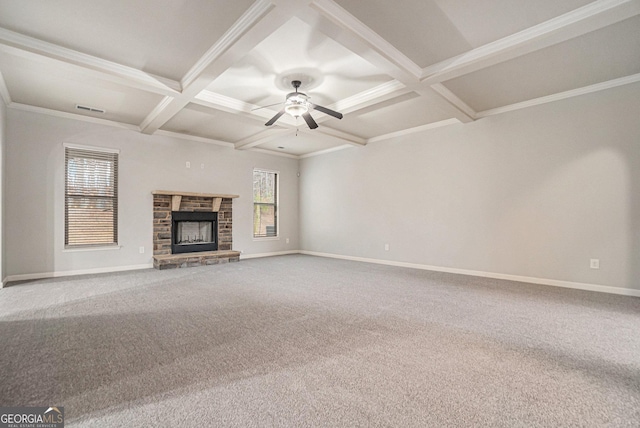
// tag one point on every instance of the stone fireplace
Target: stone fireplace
(192, 229)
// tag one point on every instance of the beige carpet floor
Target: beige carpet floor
(301, 341)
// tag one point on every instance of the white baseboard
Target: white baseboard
(275, 253)
(43, 275)
(532, 280)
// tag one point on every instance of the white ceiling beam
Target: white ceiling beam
(365, 42)
(223, 102)
(596, 15)
(462, 112)
(28, 47)
(614, 83)
(260, 20)
(253, 15)
(378, 94)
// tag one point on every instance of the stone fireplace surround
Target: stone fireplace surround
(164, 202)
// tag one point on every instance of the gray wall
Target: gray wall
(34, 198)
(535, 193)
(3, 128)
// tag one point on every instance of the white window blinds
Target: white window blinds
(265, 204)
(91, 197)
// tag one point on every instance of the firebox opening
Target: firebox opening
(194, 231)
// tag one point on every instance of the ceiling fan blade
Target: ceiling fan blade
(274, 118)
(270, 105)
(327, 111)
(307, 118)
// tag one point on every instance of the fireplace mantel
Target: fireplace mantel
(195, 194)
(176, 197)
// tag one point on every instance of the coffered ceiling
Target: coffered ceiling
(200, 69)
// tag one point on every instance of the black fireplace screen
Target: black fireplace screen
(194, 232)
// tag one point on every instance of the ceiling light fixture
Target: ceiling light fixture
(296, 104)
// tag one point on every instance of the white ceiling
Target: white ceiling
(198, 69)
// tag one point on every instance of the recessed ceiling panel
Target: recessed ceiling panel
(165, 38)
(406, 111)
(596, 57)
(304, 143)
(58, 86)
(210, 123)
(417, 28)
(482, 22)
(328, 71)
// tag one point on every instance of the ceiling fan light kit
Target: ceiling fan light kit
(297, 104)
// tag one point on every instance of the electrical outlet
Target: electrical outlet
(188, 164)
(386, 247)
(287, 240)
(141, 250)
(594, 263)
(201, 166)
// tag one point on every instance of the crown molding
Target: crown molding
(325, 151)
(414, 130)
(195, 138)
(74, 116)
(273, 153)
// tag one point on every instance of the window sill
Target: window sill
(267, 238)
(97, 248)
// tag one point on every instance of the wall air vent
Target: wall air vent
(90, 109)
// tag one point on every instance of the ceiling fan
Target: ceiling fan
(297, 104)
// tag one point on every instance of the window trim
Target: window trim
(90, 247)
(276, 204)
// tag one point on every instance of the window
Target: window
(90, 197)
(265, 204)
